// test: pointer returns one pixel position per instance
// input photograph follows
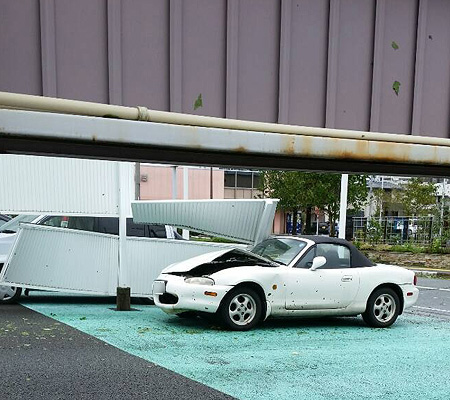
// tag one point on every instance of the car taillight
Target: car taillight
(415, 280)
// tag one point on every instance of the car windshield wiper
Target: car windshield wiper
(8, 231)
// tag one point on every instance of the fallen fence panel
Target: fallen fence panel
(247, 221)
(69, 260)
(63, 259)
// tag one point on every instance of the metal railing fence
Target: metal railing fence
(394, 230)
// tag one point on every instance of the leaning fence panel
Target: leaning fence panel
(63, 259)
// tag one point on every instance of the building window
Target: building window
(230, 179)
(244, 180)
(256, 180)
(241, 184)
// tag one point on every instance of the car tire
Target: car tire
(383, 308)
(9, 294)
(241, 309)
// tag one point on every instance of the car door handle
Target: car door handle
(347, 278)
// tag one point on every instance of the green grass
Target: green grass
(433, 248)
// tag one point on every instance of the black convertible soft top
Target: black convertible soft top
(358, 259)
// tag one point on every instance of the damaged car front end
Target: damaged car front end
(197, 284)
(238, 287)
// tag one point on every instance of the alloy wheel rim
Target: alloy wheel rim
(242, 309)
(7, 292)
(384, 308)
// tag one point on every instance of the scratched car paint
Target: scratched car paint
(286, 276)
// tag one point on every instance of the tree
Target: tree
(327, 190)
(384, 199)
(418, 198)
(291, 187)
(301, 190)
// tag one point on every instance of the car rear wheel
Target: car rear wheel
(241, 309)
(9, 294)
(382, 309)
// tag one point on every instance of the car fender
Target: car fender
(269, 279)
(381, 275)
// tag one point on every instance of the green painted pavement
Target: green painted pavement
(295, 359)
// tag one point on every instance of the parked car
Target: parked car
(286, 276)
(4, 219)
(108, 225)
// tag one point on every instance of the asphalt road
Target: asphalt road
(42, 358)
(434, 298)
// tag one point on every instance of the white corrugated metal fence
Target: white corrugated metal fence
(51, 185)
(246, 221)
(86, 262)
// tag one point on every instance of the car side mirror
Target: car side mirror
(318, 262)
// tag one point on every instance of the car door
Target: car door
(332, 286)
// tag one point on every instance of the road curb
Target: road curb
(435, 273)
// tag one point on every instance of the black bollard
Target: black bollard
(123, 299)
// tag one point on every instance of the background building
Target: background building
(156, 182)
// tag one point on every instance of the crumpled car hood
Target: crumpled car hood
(187, 265)
(210, 263)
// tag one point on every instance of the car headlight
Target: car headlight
(200, 281)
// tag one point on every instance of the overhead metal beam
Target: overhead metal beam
(108, 138)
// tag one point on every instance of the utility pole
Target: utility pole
(123, 299)
(441, 227)
(370, 195)
(343, 205)
(185, 232)
(211, 195)
(174, 183)
(137, 181)
(382, 195)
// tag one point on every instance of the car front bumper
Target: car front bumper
(179, 296)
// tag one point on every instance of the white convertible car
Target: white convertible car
(283, 276)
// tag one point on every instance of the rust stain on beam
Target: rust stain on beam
(357, 150)
(214, 146)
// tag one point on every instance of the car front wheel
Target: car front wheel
(241, 309)
(382, 309)
(9, 294)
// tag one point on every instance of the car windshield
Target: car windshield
(280, 250)
(13, 225)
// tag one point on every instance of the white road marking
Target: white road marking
(431, 309)
(433, 288)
